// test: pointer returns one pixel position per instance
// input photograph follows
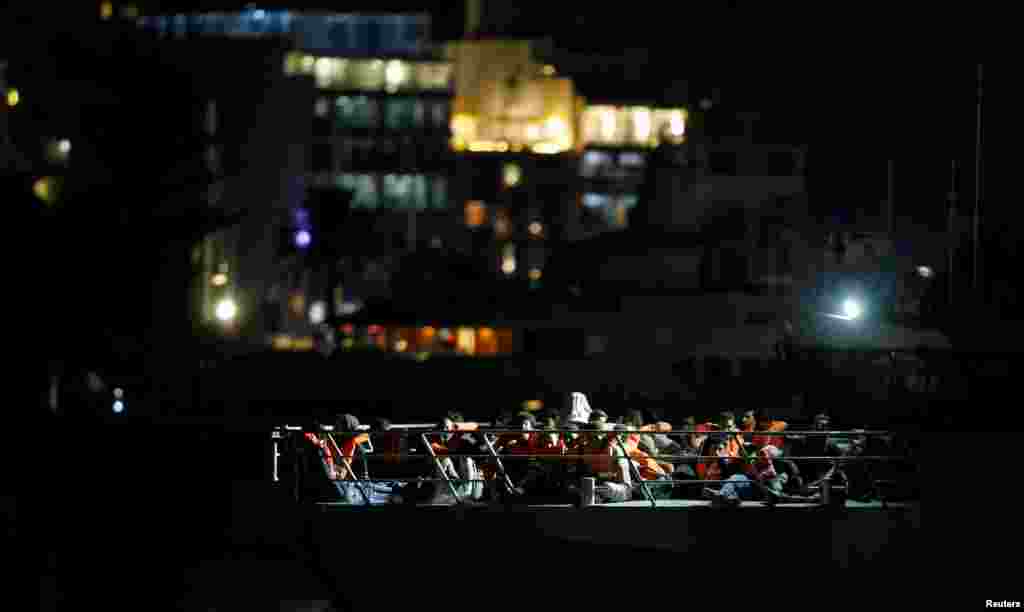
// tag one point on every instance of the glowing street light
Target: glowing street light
(226, 310)
(852, 309)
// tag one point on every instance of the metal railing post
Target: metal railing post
(497, 460)
(587, 491)
(351, 470)
(440, 466)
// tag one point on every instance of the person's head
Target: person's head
(767, 454)
(727, 419)
(762, 421)
(749, 418)
(598, 418)
(527, 423)
(822, 422)
(716, 447)
(698, 438)
(346, 423)
(635, 419)
(382, 424)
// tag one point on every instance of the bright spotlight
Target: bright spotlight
(303, 239)
(852, 309)
(925, 271)
(226, 310)
(118, 407)
(318, 312)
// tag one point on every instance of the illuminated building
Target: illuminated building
(380, 131)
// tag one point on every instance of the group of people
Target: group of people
(543, 458)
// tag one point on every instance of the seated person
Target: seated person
(345, 442)
(453, 450)
(754, 420)
(686, 467)
(607, 462)
(736, 485)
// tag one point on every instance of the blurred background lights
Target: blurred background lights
(118, 393)
(13, 97)
(925, 271)
(219, 279)
(226, 310)
(118, 407)
(318, 312)
(303, 239)
(536, 228)
(852, 308)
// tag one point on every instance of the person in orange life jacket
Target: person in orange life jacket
(348, 438)
(736, 486)
(713, 455)
(648, 466)
(758, 421)
(734, 442)
(610, 465)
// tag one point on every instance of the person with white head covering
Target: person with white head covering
(579, 409)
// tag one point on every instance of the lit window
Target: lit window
(433, 76)
(47, 189)
(398, 192)
(324, 71)
(58, 150)
(641, 125)
(508, 259)
(464, 129)
(465, 340)
(476, 213)
(402, 113)
(512, 174)
(595, 200)
(356, 112)
(607, 118)
(502, 224)
(367, 75)
(297, 304)
(486, 342)
(396, 75)
(677, 124)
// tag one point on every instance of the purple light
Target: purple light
(302, 239)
